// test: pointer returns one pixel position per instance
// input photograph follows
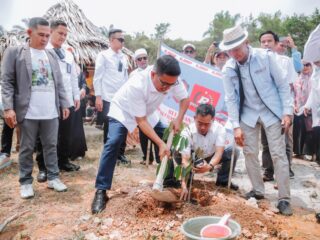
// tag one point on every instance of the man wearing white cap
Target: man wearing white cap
(189, 50)
(258, 95)
(141, 59)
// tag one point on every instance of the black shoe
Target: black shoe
(69, 167)
(252, 194)
(267, 178)
(318, 217)
(123, 160)
(233, 186)
(291, 173)
(284, 208)
(99, 202)
(42, 176)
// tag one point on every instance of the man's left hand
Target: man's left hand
(203, 168)
(176, 125)
(286, 123)
(65, 113)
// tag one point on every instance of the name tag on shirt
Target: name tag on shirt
(68, 68)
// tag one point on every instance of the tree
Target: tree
(161, 30)
(272, 22)
(220, 22)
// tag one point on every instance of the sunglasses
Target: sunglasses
(142, 58)
(307, 65)
(191, 51)
(165, 84)
(120, 40)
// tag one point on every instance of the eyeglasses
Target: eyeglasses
(186, 52)
(121, 40)
(165, 84)
(307, 65)
(142, 58)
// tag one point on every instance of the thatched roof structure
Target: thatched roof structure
(84, 37)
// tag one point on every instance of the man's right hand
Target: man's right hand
(99, 103)
(238, 136)
(10, 118)
(164, 150)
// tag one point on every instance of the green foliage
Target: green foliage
(299, 26)
(161, 30)
(220, 22)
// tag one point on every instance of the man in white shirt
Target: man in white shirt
(270, 40)
(111, 72)
(32, 94)
(59, 31)
(208, 137)
(141, 59)
(132, 104)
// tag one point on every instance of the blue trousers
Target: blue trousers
(116, 136)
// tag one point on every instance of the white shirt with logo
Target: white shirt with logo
(42, 102)
(216, 137)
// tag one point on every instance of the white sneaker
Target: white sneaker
(26, 191)
(57, 185)
(5, 160)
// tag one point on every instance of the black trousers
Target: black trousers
(6, 139)
(159, 129)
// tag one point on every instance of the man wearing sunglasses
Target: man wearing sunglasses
(141, 60)
(131, 106)
(111, 72)
(189, 50)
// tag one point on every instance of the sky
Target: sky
(188, 19)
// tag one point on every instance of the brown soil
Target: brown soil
(131, 212)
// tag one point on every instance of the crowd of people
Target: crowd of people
(267, 93)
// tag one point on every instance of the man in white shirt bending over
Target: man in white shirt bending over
(132, 104)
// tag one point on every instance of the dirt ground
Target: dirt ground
(131, 212)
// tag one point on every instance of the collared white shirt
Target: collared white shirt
(287, 68)
(68, 70)
(216, 137)
(312, 46)
(139, 98)
(108, 76)
(139, 70)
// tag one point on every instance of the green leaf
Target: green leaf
(187, 170)
(166, 134)
(175, 141)
(177, 172)
(167, 170)
(186, 143)
(182, 143)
